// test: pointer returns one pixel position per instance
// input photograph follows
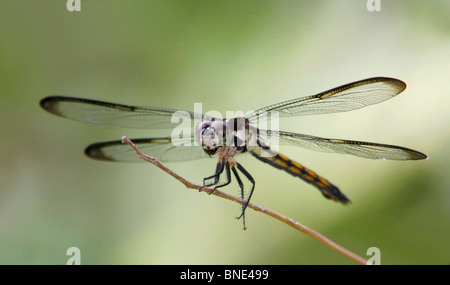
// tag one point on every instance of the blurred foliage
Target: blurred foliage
(228, 55)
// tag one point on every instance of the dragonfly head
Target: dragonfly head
(211, 135)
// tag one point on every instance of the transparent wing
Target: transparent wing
(356, 148)
(106, 113)
(345, 98)
(161, 148)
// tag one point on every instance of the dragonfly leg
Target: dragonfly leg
(228, 181)
(250, 178)
(219, 169)
(241, 185)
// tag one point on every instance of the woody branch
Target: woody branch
(290, 222)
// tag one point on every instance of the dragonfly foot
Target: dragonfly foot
(243, 221)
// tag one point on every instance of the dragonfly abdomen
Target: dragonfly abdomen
(296, 169)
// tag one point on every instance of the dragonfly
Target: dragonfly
(230, 137)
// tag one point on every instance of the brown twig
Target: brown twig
(255, 207)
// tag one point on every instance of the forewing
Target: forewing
(106, 113)
(345, 98)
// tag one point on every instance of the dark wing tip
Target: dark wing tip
(420, 156)
(48, 103)
(399, 84)
(94, 151)
(415, 155)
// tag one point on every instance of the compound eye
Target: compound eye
(208, 135)
(200, 130)
(210, 140)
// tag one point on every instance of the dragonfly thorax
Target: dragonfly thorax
(235, 132)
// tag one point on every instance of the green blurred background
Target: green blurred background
(228, 55)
